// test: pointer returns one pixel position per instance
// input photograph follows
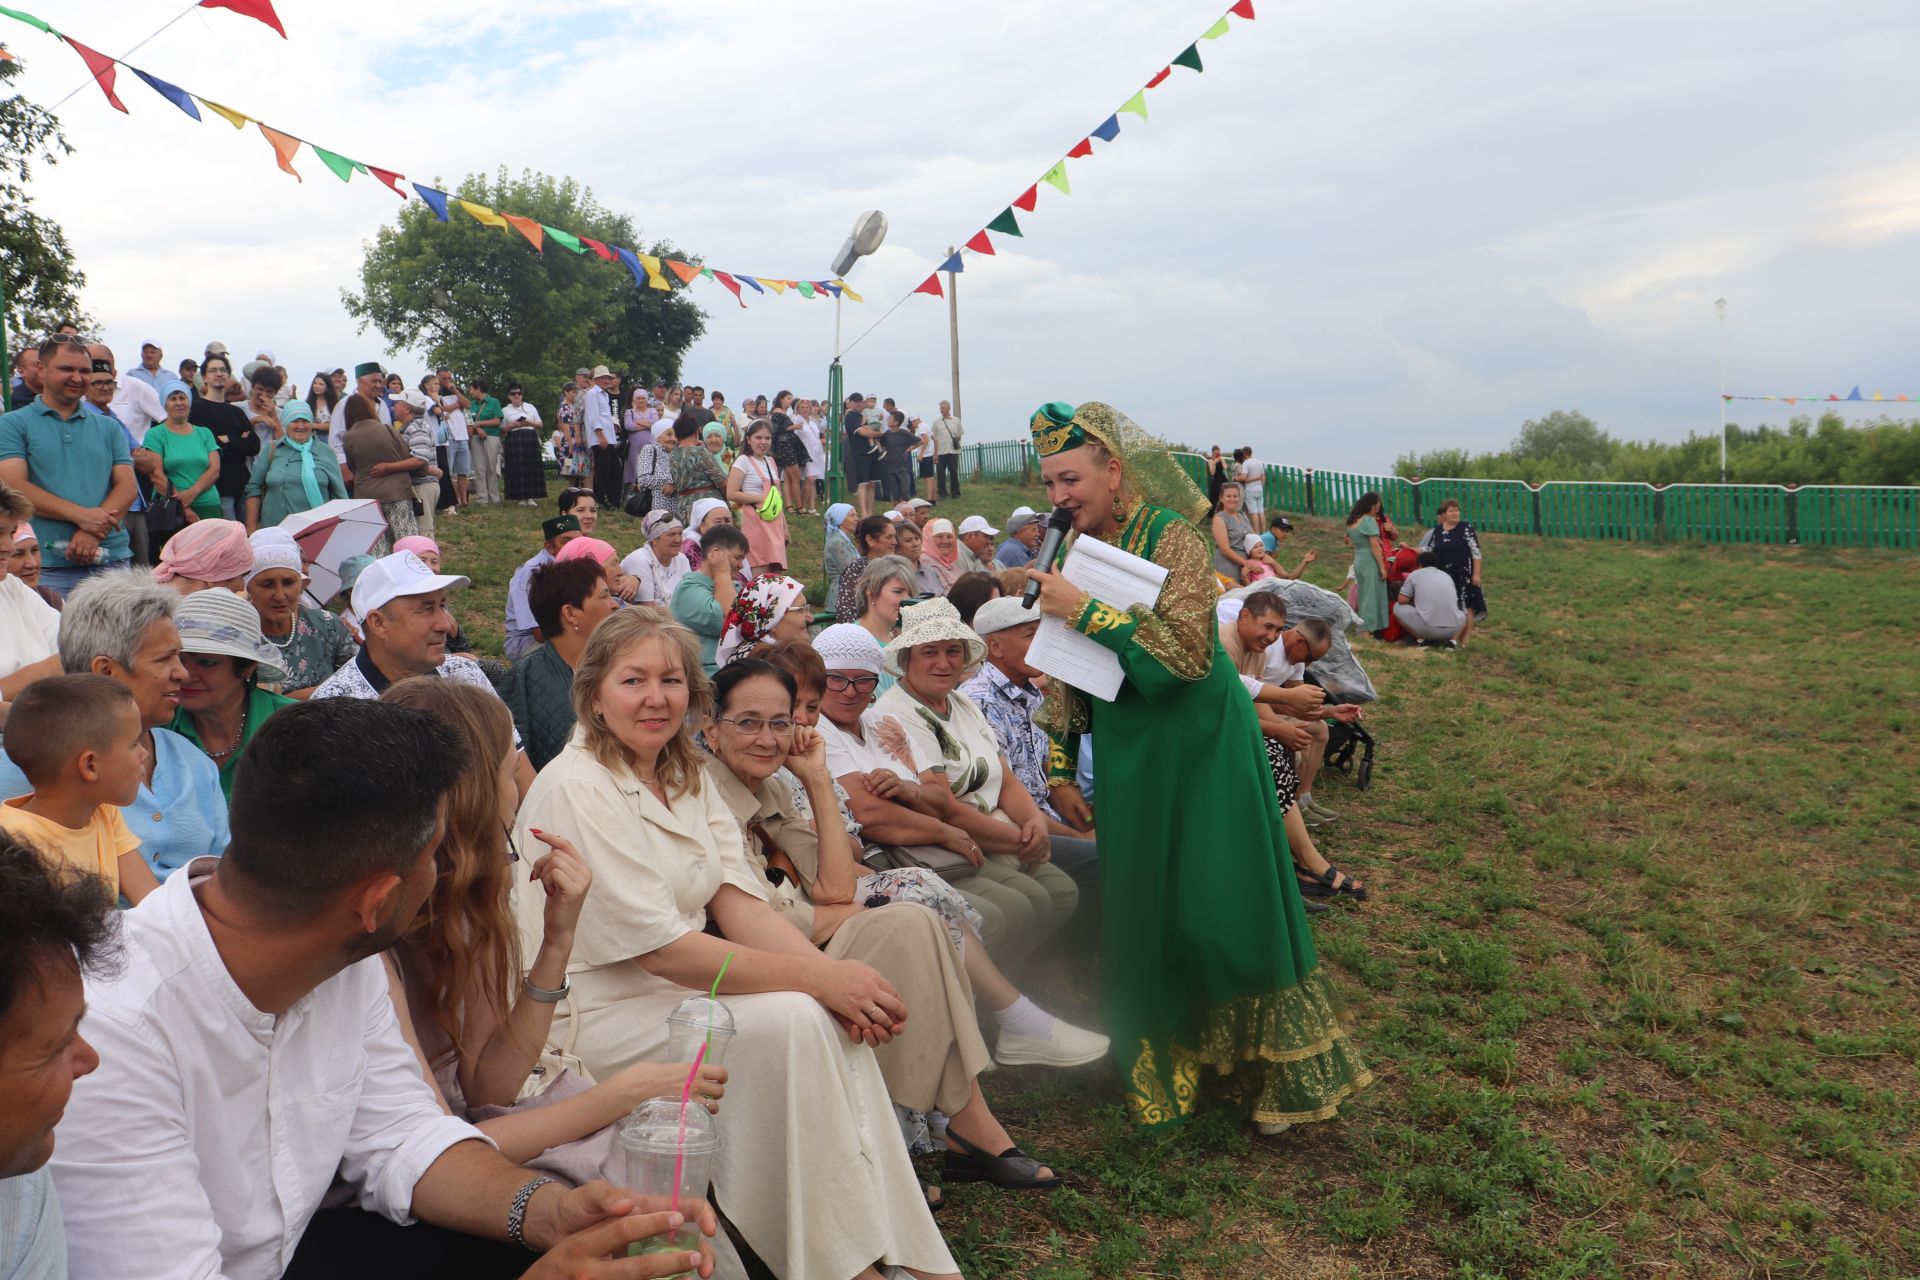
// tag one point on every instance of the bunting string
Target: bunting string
(1007, 222)
(1853, 395)
(648, 271)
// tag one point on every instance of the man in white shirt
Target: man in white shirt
(370, 380)
(603, 437)
(251, 1056)
(947, 432)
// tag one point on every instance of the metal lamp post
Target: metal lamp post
(869, 230)
(1720, 307)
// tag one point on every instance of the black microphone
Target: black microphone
(1057, 525)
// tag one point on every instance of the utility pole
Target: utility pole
(1720, 306)
(953, 329)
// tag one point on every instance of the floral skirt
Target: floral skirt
(915, 884)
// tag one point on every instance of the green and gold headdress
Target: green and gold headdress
(1151, 471)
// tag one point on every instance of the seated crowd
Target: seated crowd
(400, 931)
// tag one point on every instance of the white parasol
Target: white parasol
(330, 534)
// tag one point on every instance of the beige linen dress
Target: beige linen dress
(811, 1167)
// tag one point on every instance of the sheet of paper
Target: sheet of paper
(1113, 577)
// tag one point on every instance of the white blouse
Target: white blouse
(962, 743)
(657, 580)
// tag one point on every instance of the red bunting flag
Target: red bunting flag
(932, 285)
(728, 283)
(283, 149)
(1155, 82)
(1084, 147)
(598, 248)
(258, 10)
(1243, 10)
(102, 67)
(980, 244)
(1028, 200)
(389, 177)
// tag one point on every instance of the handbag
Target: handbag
(942, 861)
(165, 516)
(773, 504)
(556, 1061)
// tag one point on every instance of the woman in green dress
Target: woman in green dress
(291, 475)
(188, 455)
(1371, 598)
(1208, 971)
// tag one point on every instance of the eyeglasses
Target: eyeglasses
(752, 726)
(861, 684)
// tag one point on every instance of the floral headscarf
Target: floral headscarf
(756, 612)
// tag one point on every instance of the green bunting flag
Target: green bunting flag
(565, 239)
(1057, 177)
(27, 18)
(1189, 57)
(342, 167)
(1217, 30)
(805, 288)
(1006, 224)
(1136, 104)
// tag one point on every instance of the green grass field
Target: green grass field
(1639, 975)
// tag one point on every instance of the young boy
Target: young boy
(80, 743)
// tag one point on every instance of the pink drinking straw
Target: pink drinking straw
(680, 1146)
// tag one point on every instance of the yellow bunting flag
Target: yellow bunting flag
(778, 286)
(228, 114)
(1217, 30)
(483, 215)
(1057, 177)
(688, 274)
(284, 149)
(527, 227)
(1136, 104)
(654, 279)
(848, 290)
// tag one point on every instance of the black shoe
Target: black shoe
(1314, 908)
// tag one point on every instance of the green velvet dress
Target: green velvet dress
(1209, 978)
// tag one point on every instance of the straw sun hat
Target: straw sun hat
(217, 621)
(930, 622)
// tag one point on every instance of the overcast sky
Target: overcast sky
(1364, 229)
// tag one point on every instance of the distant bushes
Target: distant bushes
(1571, 446)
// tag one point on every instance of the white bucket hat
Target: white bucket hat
(929, 622)
(224, 622)
(848, 646)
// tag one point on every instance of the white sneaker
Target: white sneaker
(1067, 1046)
(1270, 1130)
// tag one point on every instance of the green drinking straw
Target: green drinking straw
(713, 994)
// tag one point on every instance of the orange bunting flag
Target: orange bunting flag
(102, 67)
(686, 273)
(284, 149)
(483, 215)
(228, 114)
(932, 285)
(980, 244)
(529, 228)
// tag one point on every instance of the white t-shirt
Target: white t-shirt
(455, 420)
(1252, 472)
(29, 626)
(755, 473)
(964, 745)
(516, 413)
(809, 430)
(137, 405)
(887, 745)
(657, 580)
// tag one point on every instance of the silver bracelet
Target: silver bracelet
(546, 995)
(517, 1215)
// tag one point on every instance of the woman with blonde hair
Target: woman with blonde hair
(811, 1168)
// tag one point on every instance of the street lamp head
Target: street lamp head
(1720, 305)
(869, 230)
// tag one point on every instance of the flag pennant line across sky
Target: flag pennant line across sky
(647, 270)
(1006, 223)
(1829, 399)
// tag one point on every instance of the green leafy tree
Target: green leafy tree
(481, 301)
(39, 279)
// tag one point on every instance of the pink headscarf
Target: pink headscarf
(417, 544)
(208, 551)
(583, 548)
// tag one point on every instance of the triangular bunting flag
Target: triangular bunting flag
(848, 290)
(102, 67)
(707, 272)
(654, 279)
(528, 228)
(228, 114)
(29, 19)
(1217, 30)
(565, 239)
(5, 56)
(284, 149)
(342, 167)
(1878, 396)
(632, 264)
(171, 92)
(1057, 177)
(1189, 57)
(953, 264)
(778, 286)
(436, 200)
(1006, 224)
(1243, 10)
(483, 215)
(751, 283)
(1028, 198)
(1109, 128)
(1793, 400)
(1901, 396)
(932, 285)
(828, 285)
(805, 287)
(598, 248)
(731, 285)
(258, 10)
(1854, 394)
(1081, 149)
(981, 244)
(389, 177)
(1833, 397)
(687, 273)
(1136, 104)
(1156, 81)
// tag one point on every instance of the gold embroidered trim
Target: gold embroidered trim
(1149, 1100)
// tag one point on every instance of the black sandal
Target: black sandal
(933, 1205)
(1331, 883)
(1012, 1168)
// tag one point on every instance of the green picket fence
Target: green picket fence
(1493, 506)
(1001, 460)
(1849, 516)
(1725, 513)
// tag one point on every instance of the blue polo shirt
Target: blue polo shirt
(71, 458)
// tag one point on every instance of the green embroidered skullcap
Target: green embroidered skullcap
(371, 366)
(1054, 430)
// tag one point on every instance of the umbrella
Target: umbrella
(331, 533)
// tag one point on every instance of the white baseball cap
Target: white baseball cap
(977, 524)
(1001, 613)
(400, 574)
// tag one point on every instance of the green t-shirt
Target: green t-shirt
(260, 705)
(184, 459)
(480, 410)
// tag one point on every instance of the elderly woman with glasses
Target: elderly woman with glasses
(523, 474)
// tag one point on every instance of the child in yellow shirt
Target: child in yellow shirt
(79, 741)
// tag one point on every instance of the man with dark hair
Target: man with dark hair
(522, 628)
(232, 431)
(484, 425)
(56, 923)
(1249, 627)
(251, 1055)
(702, 598)
(26, 382)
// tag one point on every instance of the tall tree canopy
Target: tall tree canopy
(38, 276)
(481, 301)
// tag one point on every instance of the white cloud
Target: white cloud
(1362, 230)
